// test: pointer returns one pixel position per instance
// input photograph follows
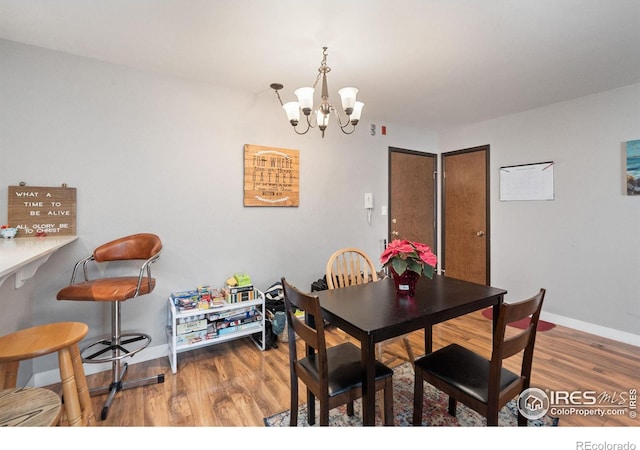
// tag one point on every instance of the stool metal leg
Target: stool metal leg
(114, 350)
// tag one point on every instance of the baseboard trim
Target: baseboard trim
(598, 330)
(53, 376)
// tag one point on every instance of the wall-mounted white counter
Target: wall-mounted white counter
(23, 255)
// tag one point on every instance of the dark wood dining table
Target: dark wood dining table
(373, 312)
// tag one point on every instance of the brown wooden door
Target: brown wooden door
(465, 211)
(412, 196)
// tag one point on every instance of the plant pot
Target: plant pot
(405, 283)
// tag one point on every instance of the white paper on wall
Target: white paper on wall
(527, 182)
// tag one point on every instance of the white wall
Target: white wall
(584, 245)
(149, 153)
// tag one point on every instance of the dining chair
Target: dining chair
(483, 385)
(332, 375)
(351, 266)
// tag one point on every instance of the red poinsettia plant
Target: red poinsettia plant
(403, 255)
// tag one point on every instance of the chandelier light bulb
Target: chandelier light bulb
(322, 119)
(293, 112)
(357, 111)
(305, 99)
(348, 97)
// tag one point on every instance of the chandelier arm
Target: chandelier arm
(309, 121)
(295, 128)
(339, 119)
(312, 114)
(276, 88)
(344, 126)
(279, 99)
(299, 132)
(348, 132)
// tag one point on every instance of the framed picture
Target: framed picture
(271, 176)
(633, 167)
(40, 210)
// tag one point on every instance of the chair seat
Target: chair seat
(40, 340)
(464, 370)
(106, 290)
(29, 407)
(345, 368)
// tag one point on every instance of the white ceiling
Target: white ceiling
(424, 63)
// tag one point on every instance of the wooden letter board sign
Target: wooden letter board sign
(34, 210)
(271, 176)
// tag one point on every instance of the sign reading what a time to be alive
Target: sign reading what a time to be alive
(35, 210)
(271, 176)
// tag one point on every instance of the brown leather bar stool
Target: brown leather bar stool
(137, 247)
(61, 337)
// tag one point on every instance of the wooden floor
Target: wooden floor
(235, 384)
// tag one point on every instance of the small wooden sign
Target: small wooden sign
(36, 210)
(271, 176)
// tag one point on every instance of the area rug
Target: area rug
(435, 409)
(522, 324)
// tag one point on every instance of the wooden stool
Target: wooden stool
(29, 407)
(62, 337)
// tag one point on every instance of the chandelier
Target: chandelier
(351, 107)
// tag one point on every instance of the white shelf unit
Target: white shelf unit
(236, 332)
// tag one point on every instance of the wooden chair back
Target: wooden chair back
(505, 347)
(349, 266)
(313, 337)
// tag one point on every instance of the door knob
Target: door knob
(394, 233)
(394, 221)
(480, 233)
